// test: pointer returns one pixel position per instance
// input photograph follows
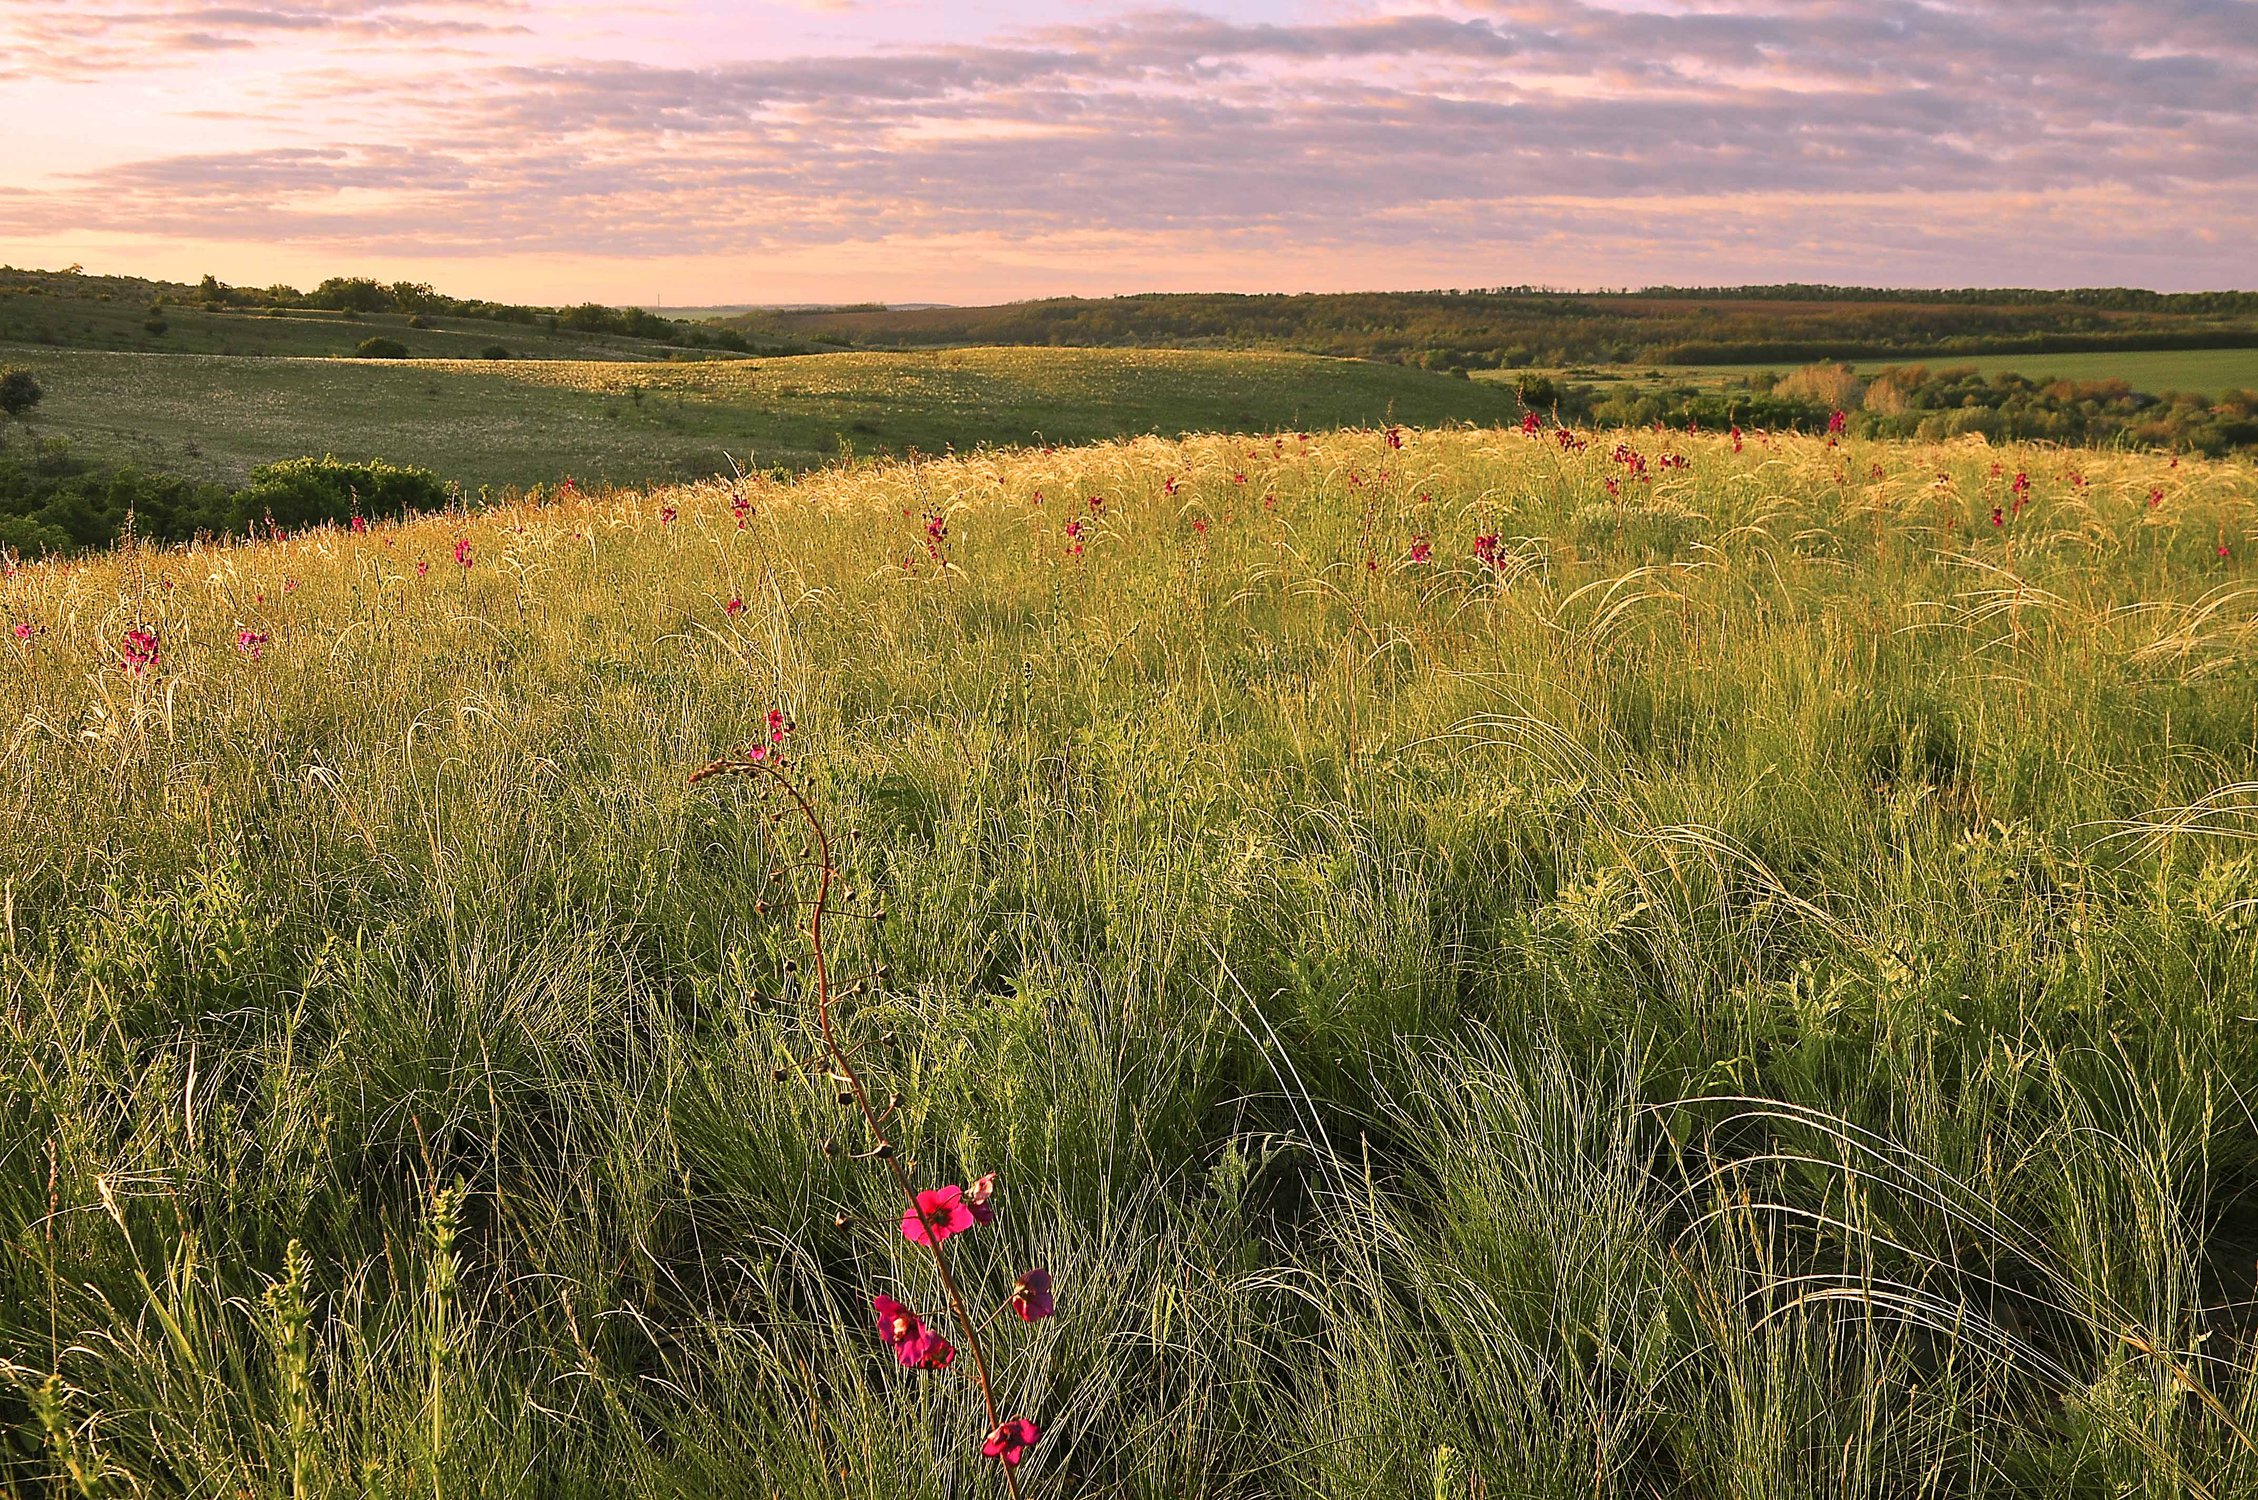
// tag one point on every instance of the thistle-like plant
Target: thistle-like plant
(931, 1217)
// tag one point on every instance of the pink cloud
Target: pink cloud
(1554, 140)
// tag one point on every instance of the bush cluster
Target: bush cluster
(54, 501)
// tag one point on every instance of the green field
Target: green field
(1481, 974)
(525, 422)
(2209, 371)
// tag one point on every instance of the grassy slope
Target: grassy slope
(523, 422)
(118, 325)
(2209, 371)
(1312, 937)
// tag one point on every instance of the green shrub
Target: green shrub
(303, 492)
(19, 390)
(380, 347)
(494, 351)
(53, 501)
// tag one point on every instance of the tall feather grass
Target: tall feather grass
(1749, 996)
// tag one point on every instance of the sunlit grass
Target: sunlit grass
(1747, 994)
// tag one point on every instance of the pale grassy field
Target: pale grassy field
(1476, 985)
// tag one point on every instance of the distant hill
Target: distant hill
(71, 310)
(1514, 327)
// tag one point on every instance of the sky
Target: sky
(688, 152)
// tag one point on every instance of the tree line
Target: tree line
(1512, 328)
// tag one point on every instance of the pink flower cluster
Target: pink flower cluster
(935, 1216)
(139, 652)
(778, 727)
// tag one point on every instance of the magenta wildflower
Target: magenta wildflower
(1836, 422)
(1011, 1440)
(667, 514)
(939, 1213)
(23, 630)
(980, 1199)
(1485, 548)
(734, 607)
(916, 1346)
(1031, 1295)
(462, 552)
(1421, 549)
(422, 567)
(252, 643)
(140, 651)
(359, 525)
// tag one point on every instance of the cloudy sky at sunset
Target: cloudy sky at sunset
(699, 151)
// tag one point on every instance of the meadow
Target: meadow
(1485, 963)
(525, 422)
(2210, 371)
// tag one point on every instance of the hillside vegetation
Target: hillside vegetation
(1487, 964)
(1514, 327)
(521, 423)
(72, 310)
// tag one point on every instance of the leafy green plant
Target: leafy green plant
(20, 390)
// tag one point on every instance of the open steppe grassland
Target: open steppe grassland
(522, 422)
(1489, 966)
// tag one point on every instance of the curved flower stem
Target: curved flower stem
(842, 1065)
